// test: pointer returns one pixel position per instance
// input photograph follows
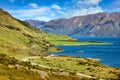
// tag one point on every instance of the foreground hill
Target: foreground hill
(100, 24)
(12, 69)
(20, 38)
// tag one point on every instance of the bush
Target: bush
(26, 63)
(10, 78)
(2, 55)
(12, 27)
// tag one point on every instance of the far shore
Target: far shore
(77, 43)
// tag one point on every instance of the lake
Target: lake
(109, 54)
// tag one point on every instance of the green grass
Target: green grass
(7, 73)
(56, 37)
(20, 39)
(13, 42)
(82, 65)
(72, 43)
(9, 70)
(12, 69)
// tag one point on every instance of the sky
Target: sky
(46, 10)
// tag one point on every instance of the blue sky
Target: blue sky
(53, 9)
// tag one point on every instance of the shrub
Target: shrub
(12, 27)
(2, 55)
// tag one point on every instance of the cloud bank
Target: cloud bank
(54, 11)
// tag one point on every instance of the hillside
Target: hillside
(100, 25)
(12, 69)
(20, 39)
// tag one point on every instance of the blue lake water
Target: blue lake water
(109, 54)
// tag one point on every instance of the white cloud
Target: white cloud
(54, 6)
(83, 7)
(84, 11)
(12, 0)
(88, 2)
(61, 12)
(43, 18)
(43, 13)
(33, 5)
(33, 11)
(54, 11)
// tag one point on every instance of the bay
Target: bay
(108, 54)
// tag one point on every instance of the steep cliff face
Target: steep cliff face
(100, 24)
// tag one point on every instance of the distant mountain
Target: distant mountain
(36, 23)
(100, 24)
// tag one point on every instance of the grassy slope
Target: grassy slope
(7, 73)
(19, 39)
(80, 65)
(12, 69)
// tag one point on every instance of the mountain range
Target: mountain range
(94, 25)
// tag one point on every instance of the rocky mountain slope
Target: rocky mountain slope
(100, 24)
(36, 23)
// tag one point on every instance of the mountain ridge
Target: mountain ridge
(95, 25)
(36, 23)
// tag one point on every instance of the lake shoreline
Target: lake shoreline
(107, 53)
(87, 66)
(78, 43)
